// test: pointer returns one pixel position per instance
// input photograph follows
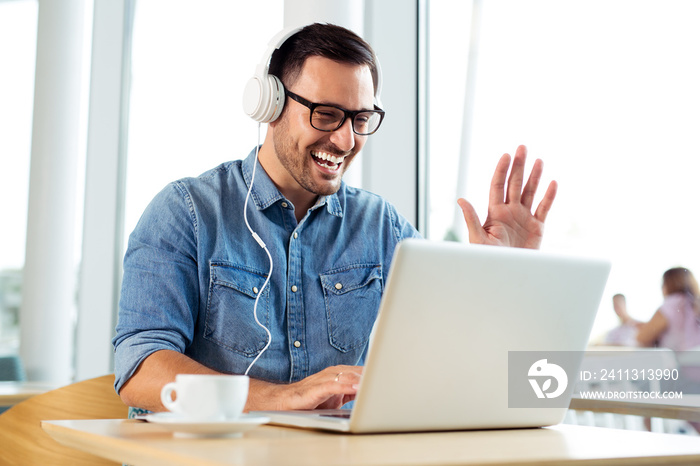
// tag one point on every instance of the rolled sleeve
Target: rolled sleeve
(159, 303)
(131, 351)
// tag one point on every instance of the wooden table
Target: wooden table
(138, 442)
(686, 408)
(12, 393)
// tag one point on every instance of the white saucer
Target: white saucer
(184, 427)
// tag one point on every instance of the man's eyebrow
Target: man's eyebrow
(333, 104)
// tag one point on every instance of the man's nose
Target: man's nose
(344, 137)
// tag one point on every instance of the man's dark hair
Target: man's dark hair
(324, 40)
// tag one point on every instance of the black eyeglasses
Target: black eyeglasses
(329, 118)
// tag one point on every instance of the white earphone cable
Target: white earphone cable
(269, 256)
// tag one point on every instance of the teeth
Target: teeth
(327, 165)
(328, 157)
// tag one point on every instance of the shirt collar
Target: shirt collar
(331, 202)
(265, 193)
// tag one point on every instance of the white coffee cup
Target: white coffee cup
(202, 397)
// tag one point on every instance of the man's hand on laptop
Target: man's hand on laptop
(510, 221)
(330, 388)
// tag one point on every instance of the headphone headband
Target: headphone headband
(263, 97)
(276, 42)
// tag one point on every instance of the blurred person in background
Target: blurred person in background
(676, 324)
(625, 334)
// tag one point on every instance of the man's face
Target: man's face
(314, 159)
(620, 306)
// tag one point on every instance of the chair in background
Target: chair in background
(22, 439)
(11, 369)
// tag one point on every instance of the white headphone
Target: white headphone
(263, 97)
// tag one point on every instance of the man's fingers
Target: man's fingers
(472, 220)
(341, 380)
(498, 182)
(533, 182)
(547, 201)
(348, 378)
(517, 174)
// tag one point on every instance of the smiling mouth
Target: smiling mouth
(326, 160)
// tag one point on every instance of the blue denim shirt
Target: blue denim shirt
(192, 270)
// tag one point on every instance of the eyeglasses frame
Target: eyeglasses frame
(346, 113)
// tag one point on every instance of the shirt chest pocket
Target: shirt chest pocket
(229, 318)
(352, 297)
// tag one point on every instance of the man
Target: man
(625, 334)
(192, 271)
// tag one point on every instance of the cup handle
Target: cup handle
(166, 396)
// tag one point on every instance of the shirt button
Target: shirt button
(297, 344)
(285, 205)
(255, 290)
(338, 286)
(294, 288)
(296, 235)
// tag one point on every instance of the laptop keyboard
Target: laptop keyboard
(338, 416)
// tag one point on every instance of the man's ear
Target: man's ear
(273, 124)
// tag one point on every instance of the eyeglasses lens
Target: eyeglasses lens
(330, 118)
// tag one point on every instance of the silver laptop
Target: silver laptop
(450, 314)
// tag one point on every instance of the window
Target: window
(606, 93)
(188, 76)
(18, 22)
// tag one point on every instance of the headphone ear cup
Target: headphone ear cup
(263, 98)
(277, 98)
(252, 98)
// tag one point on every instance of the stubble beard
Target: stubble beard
(297, 162)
